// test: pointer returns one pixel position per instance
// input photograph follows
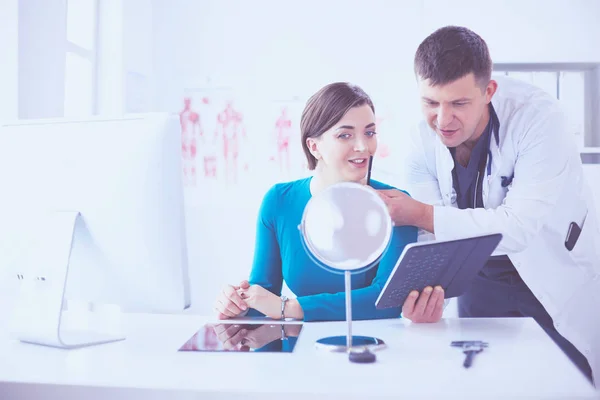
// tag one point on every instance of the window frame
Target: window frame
(90, 55)
(591, 77)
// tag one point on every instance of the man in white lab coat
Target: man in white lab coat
(495, 156)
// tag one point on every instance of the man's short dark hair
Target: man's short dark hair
(451, 53)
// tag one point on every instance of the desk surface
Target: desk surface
(521, 361)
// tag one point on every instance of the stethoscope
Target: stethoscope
(505, 180)
(495, 128)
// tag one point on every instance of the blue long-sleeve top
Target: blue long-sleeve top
(280, 255)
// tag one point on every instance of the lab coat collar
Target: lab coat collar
(496, 124)
(493, 165)
(494, 161)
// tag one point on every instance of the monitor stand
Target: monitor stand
(39, 308)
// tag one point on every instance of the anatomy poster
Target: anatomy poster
(231, 140)
(214, 137)
(283, 125)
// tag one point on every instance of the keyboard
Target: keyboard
(422, 267)
(451, 264)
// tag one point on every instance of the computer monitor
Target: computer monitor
(123, 177)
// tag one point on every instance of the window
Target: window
(80, 65)
(573, 85)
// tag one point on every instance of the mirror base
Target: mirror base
(339, 344)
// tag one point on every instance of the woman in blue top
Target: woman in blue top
(338, 137)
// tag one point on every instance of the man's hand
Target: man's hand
(427, 307)
(404, 210)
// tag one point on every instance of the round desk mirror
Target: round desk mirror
(346, 229)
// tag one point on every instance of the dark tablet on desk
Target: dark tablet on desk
(234, 336)
(452, 264)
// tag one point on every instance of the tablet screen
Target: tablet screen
(236, 337)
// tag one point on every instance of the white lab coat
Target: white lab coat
(533, 213)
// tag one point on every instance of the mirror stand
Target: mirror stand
(349, 343)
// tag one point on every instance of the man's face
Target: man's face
(456, 111)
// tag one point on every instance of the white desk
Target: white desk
(418, 363)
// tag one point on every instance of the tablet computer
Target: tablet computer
(233, 336)
(452, 264)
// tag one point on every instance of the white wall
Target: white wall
(125, 57)
(137, 55)
(528, 31)
(42, 43)
(300, 46)
(170, 48)
(270, 49)
(9, 59)
(111, 72)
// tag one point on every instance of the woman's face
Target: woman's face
(343, 151)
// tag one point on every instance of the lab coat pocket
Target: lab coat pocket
(585, 253)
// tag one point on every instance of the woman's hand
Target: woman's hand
(261, 299)
(231, 336)
(428, 306)
(240, 337)
(261, 336)
(229, 303)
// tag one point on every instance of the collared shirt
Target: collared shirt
(465, 179)
(467, 184)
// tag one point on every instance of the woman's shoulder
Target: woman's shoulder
(283, 198)
(377, 185)
(288, 189)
